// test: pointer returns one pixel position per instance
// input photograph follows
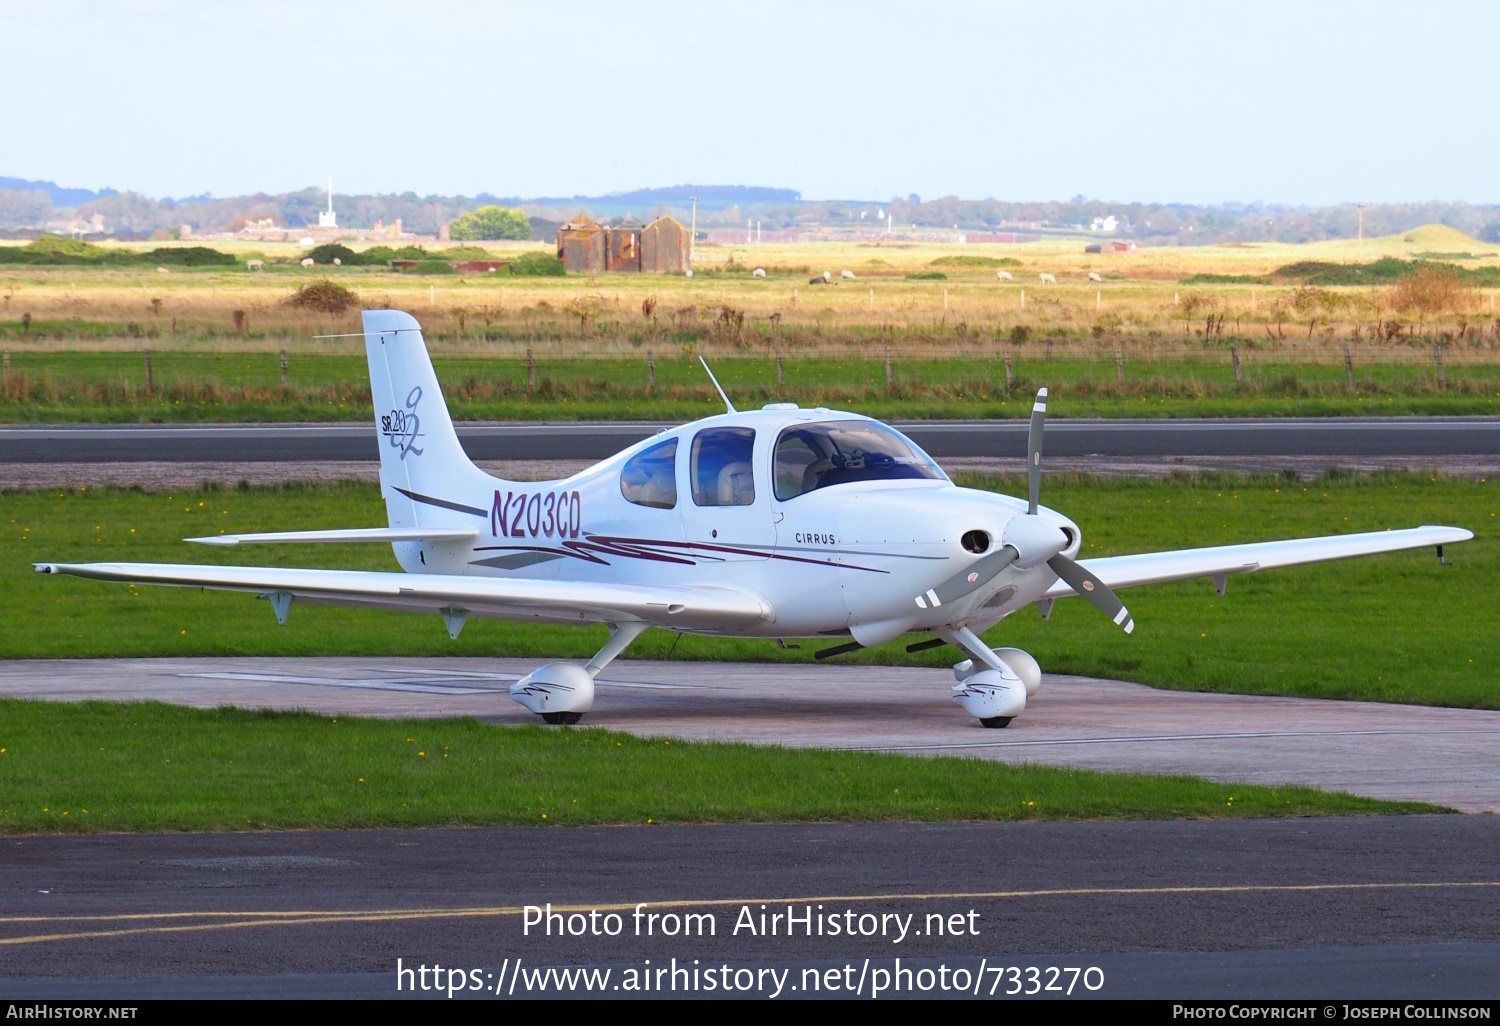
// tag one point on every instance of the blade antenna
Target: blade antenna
(717, 385)
(1034, 451)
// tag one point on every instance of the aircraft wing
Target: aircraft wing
(679, 608)
(1155, 567)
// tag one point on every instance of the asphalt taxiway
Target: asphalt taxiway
(1354, 437)
(1356, 907)
(1448, 757)
(1402, 906)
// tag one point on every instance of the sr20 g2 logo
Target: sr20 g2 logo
(402, 428)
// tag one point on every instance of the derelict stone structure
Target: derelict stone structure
(581, 246)
(665, 247)
(662, 247)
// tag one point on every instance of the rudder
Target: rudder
(419, 449)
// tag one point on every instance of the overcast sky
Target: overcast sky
(1291, 102)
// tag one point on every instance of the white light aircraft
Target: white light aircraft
(775, 523)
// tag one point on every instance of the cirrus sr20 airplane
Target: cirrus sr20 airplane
(775, 523)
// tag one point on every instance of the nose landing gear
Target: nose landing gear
(992, 685)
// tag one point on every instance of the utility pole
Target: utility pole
(693, 232)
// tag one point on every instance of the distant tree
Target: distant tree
(1490, 232)
(326, 253)
(490, 222)
(22, 209)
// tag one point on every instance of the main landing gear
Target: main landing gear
(992, 685)
(562, 692)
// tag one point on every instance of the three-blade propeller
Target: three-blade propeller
(1077, 577)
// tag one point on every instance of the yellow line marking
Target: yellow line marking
(315, 917)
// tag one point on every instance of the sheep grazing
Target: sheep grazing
(759, 272)
(307, 261)
(847, 274)
(827, 277)
(162, 270)
(255, 265)
(1048, 279)
(337, 262)
(1095, 276)
(1005, 276)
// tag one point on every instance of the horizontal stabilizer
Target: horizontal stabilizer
(357, 534)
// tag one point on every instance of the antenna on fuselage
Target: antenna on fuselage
(718, 386)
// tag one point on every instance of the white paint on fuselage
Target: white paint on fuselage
(834, 558)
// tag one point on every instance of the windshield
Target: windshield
(812, 456)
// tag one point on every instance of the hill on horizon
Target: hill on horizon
(60, 196)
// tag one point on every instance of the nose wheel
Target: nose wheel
(566, 719)
(996, 721)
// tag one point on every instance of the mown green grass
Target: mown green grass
(194, 386)
(1396, 628)
(101, 766)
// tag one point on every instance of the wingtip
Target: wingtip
(223, 539)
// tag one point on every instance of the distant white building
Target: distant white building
(1105, 224)
(327, 218)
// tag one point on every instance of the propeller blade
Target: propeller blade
(1096, 591)
(1034, 450)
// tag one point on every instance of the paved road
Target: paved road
(1352, 437)
(1445, 756)
(1399, 907)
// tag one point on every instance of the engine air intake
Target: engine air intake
(975, 541)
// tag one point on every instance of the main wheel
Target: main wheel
(996, 721)
(564, 719)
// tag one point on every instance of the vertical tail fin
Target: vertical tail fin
(419, 451)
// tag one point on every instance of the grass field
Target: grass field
(76, 335)
(197, 386)
(101, 766)
(1395, 628)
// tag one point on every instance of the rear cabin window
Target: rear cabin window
(813, 456)
(650, 476)
(720, 467)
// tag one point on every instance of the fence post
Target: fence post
(872, 300)
(1349, 368)
(887, 368)
(530, 372)
(1119, 366)
(651, 370)
(1098, 300)
(1438, 356)
(1023, 299)
(150, 382)
(283, 368)
(1010, 377)
(1234, 354)
(780, 373)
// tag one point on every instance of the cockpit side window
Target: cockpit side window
(720, 467)
(813, 456)
(649, 478)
